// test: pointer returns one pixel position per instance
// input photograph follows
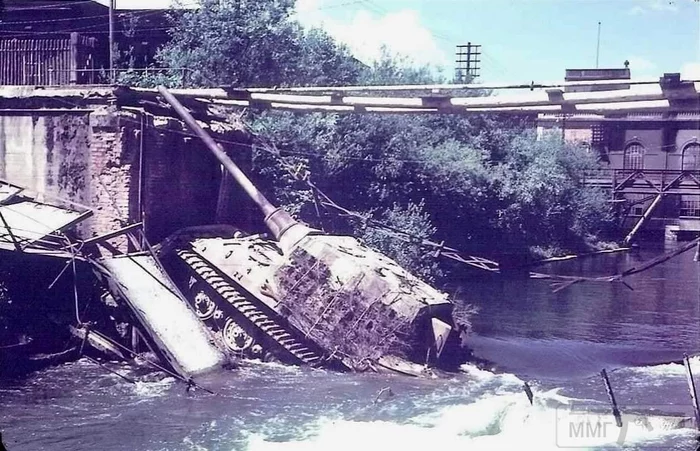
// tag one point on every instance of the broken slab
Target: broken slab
(178, 335)
(26, 222)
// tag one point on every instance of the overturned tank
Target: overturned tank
(307, 297)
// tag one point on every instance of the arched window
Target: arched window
(634, 156)
(691, 157)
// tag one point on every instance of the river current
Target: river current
(558, 343)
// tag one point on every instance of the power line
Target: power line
(122, 14)
(29, 22)
(88, 28)
(375, 7)
(340, 5)
(503, 69)
(51, 6)
(63, 5)
(29, 34)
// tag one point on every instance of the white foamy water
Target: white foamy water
(668, 369)
(498, 419)
(153, 389)
(481, 375)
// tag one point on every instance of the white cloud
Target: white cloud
(637, 10)
(308, 6)
(690, 71)
(365, 32)
(650, 6)
(640, 66)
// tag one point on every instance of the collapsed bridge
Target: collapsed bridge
(205, 296)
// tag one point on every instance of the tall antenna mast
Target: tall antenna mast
(597, 50)
(112, 5)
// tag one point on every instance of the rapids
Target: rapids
(556, 342)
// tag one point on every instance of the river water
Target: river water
(558, 343)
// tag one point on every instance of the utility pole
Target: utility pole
(597, 49)
(698, 2)
(468, 60)
(111, 41)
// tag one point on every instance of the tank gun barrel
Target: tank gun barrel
(277, 220)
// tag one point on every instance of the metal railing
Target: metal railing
(103, 76)
(660, 179)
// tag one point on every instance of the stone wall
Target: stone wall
(181, 180)
(113, 173)
(46, 153)
(94, 158)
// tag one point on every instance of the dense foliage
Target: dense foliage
(251, 43)
(481, 183)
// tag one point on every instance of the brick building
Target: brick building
(643, 156)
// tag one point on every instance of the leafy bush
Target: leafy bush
(406, 250)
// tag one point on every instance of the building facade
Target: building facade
(650, 162)
(67, 42)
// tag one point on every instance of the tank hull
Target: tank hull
(330, 301)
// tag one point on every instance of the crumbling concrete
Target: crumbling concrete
(101, 148)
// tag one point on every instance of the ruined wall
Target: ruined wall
(74, 156)
(46, 153)
(181, 180)
(113, 172)
(94, 158)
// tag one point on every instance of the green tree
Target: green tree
(407, 252)
(245, 43)
(482, 183)
(390, 69)
(544, 199)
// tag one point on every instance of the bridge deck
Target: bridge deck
(171, 323)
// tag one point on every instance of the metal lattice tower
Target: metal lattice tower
(467, 62)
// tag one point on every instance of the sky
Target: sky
(522, 40)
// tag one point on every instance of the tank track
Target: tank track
(257, 316)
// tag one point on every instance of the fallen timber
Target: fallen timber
(173, 331)
(178, 334)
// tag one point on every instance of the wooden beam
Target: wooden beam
(692, 390)
(643, 219)
(611, 397)
(96, 340)
(114, 234)
(433, 88)
(596, 99)
(18, 247)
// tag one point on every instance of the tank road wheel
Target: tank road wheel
(204, 307)
(236, 339)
